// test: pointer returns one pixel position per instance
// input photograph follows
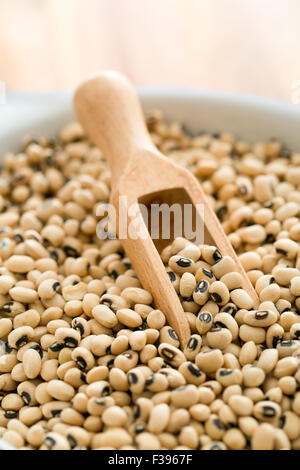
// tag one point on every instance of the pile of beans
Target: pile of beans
(87, 362)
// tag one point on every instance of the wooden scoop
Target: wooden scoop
(109, 111)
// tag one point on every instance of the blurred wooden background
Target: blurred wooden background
(250, 46)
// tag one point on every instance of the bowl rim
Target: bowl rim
(16, 96)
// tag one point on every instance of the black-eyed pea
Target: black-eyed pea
(68, 337)
(287, 348)
(274, 335)
(49, 369)
(230, 391)
(274, 394)
(8, 362)
(214, 427)
(168, 335)
(89, 302)
(147, 353)
(248, 425)
(93, 424)
(188, 437)
(167, 440)
(231, 361)
(55, 441)
(193, 347)
(100, 345)
(156, 364)
(29, 318)
(192, 373)
(201, 292)
(136, 380)
(32, 363)
(233, 280)
(51, 313)
(142, 409)
(174, 278)
(270, 293)
(254, 393)
(20, 264)
(263, 437)
(260, 318)
(71, 417)
(81, 325)
(253, 376)
(204, 273)
(241, 299)
(80, 402)
(63, 368)
(119, 344)
(152, 335)
(252, 333)
(187, 285)
(179, 418)
(288, 319)
(227, 377)
(118, 379)
(13, 438)
(248, 353)
(12, 401)
(290, 424)
(107, 361)
(26, 390)
(129, 318)
(234, 439)
(241, 405)
(219, 293)
(77, 436)
(286, 367)
(281, 441)
(199, 412)
(226, 415)
(20, 336)
(83, 358)
(288, 385)
(185, 396)
(171, 354)
(60, 390)
(295, 331)
(159, 418)
(104, 316)
(137, 340)
(209, 361)
(6, 327)
(65, 355)
(156, 320)
(96, 406)
(127, 360)
(180, 264)
(219, 338)
(30, 415)
(6, 283)
(267, 411)
(97, 374)
(156, 382)
(225, 320)
(287, 248)
(136, 295)
(53, 325)
(75, 377)
(204, 322)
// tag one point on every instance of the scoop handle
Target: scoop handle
(109, 110)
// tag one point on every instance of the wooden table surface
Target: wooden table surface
(250, 46)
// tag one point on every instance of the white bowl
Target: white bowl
(250, 118)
